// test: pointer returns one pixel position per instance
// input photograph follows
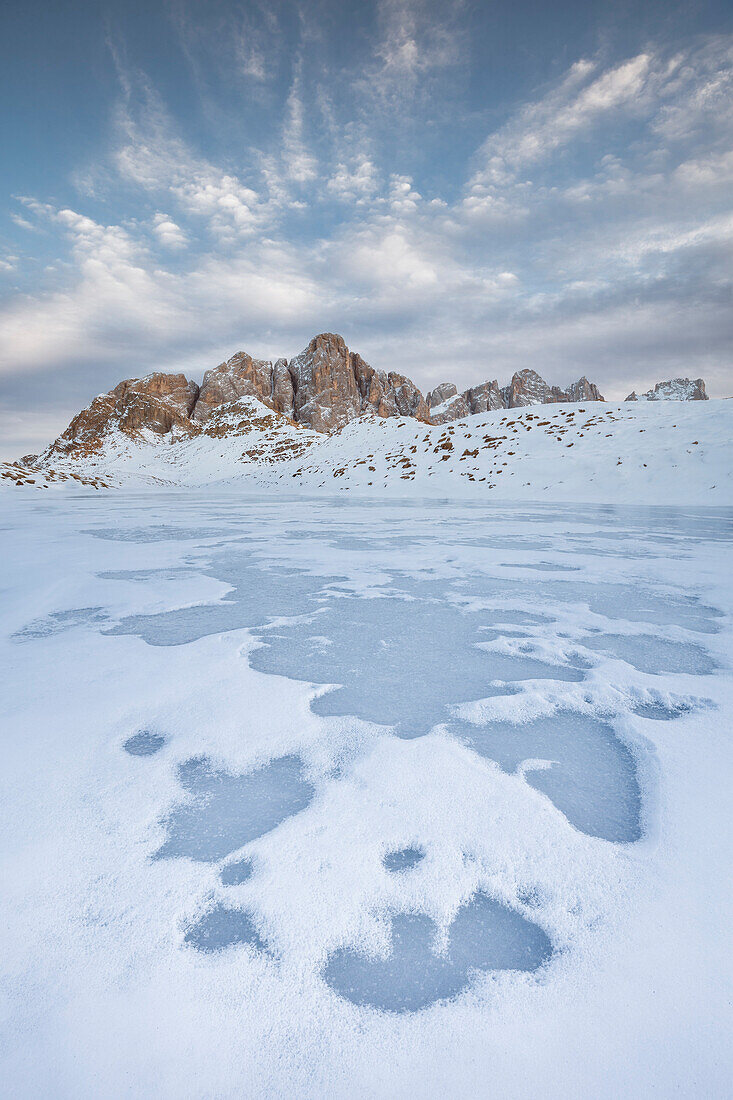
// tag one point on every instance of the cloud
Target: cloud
(590, 233)
(152, 156)
(354, 182)
(553, 122)
(168, 233)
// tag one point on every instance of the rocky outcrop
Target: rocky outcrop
(240, 376)
(441, 394)
(526, 388)
(283, 392)
(388, 394)
(447, 404)
(158, 402)
(583, 390)
(323, 388)
(678, 389)
(484, 398)
(529, 388)
(326, 392)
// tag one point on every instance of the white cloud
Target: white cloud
(354, 182)
(300, 164)
(569, 275)
(554, 121)
(168, 233)
(23, 223)
(152, 156)
(707, 171)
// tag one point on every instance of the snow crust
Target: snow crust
(358, 798)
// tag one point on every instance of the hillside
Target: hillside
(634, 452)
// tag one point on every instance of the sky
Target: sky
(461, 189)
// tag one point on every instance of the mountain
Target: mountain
(326, 420)
(678, 389)
(641, 452)
(323, 388)
(526, 388)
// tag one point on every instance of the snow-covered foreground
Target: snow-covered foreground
(363, 799)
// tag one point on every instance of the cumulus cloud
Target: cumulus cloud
(356, 181)
(167, 232)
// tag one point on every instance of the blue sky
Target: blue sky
(460, 189)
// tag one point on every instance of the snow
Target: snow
(315, 797)
(634, 452)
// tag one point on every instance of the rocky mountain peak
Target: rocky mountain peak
(440, 394)
(158, 402)
(326, 394)
(677, 389)
(240, 376)
(323, 388)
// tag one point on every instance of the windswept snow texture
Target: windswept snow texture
(348, 799)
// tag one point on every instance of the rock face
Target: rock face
(441, 394)
(678, 389)
(583, 390)
(526, 388)
(283, 393)
(326, 392)
(485, 397)
(159, 403)
(240, 376)
(388, 394)
(323, 388)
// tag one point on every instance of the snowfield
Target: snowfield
(664, 452)
(314, 797)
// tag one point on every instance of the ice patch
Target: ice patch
(222, 927)
(144, 743)
(232, 874)
(654, 655)
(485, 935)
(592, 775)
(59, 621)
(398, 662)
(404, 859)
(226, 811)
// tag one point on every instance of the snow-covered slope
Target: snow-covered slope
(651, 453)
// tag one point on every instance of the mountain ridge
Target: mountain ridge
(323, 388)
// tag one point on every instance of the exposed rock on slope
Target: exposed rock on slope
(240, 376)
(526, 388)
(447, 404)
(678, 389)
(634, 452)
(323, 388)
(159, 402)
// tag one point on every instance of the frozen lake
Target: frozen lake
(356, 799)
